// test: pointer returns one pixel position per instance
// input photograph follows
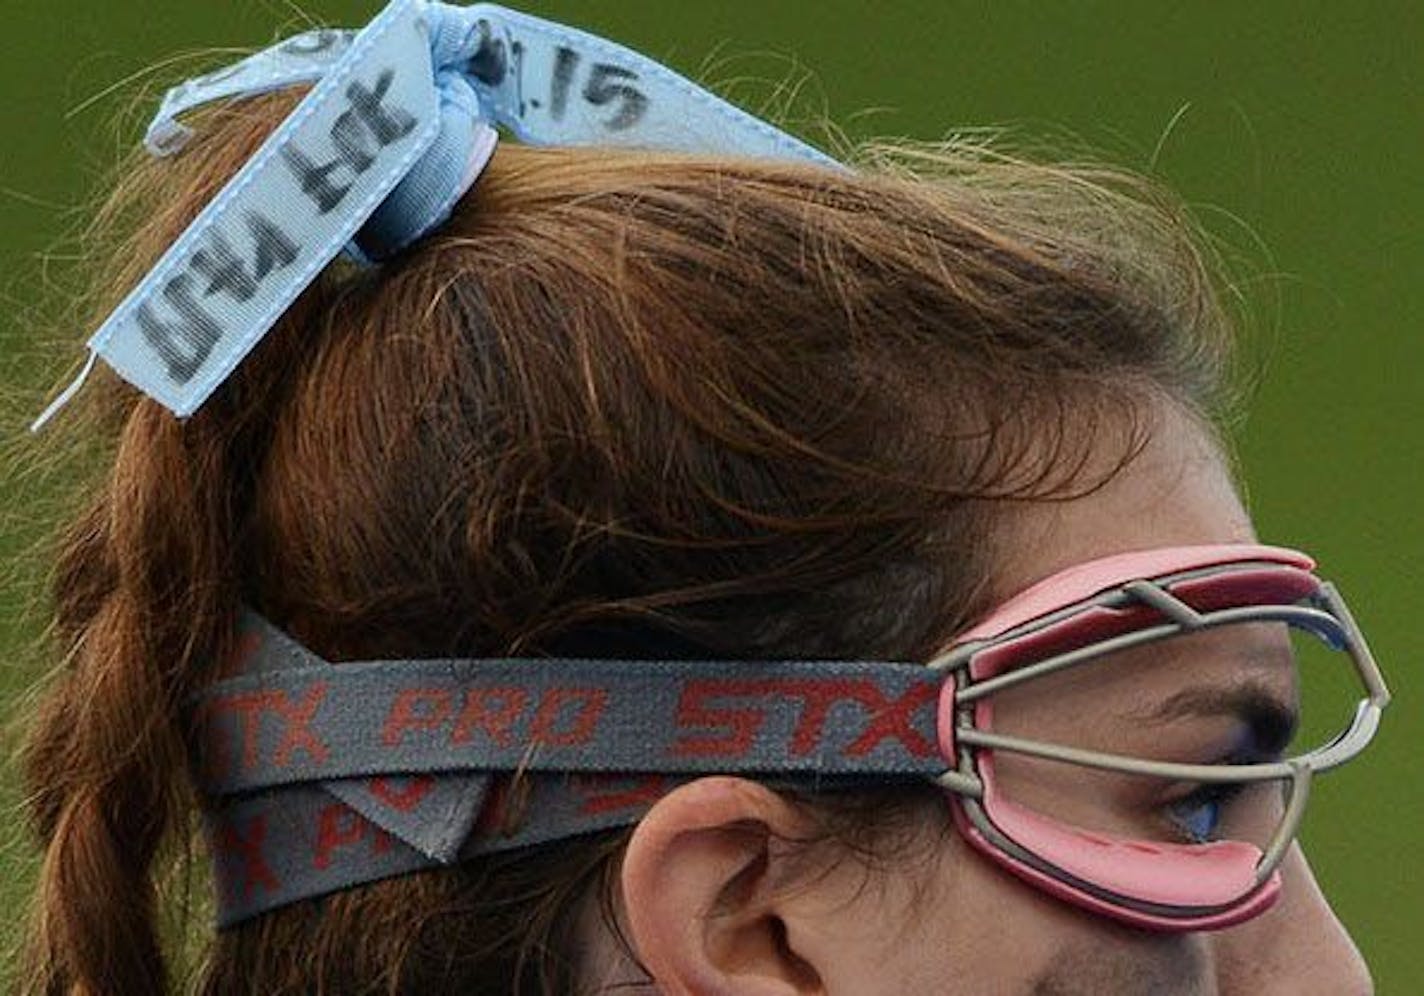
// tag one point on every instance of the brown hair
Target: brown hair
(621, 405)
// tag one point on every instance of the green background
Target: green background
(1301, 140)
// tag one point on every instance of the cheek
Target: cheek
(980, 930)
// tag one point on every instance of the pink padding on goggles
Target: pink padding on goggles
(1086, 580)
(1256, 903)
(1214, 874)
(945, 719)
(1266, 585)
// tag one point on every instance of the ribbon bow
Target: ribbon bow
(401, 119)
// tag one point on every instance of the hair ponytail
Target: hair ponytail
(106, 764)
(145, 589)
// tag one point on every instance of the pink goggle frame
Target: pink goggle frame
(1098, 608)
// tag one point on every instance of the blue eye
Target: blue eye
(1198, 816)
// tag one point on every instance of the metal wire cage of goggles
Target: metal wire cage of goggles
(1082, 617)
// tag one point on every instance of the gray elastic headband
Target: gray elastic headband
(320, 777)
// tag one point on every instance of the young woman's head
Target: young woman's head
(637, 406)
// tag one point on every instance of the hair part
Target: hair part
(622, 404)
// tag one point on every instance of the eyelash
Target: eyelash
(1219, 794)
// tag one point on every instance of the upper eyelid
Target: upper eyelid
(1272, 721)
(1226, 790)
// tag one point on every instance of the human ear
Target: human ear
(703, 881)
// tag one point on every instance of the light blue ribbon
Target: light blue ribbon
(400, 121)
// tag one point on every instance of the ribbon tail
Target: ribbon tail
(67, 395)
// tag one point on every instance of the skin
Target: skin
(714, 904)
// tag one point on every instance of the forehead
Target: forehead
(1179, 675)
(1177, 699)
(1177, 491)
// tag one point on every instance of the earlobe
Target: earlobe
(699, 881)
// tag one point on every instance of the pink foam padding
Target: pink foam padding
(1256, 903)
(1213, 874)
(1249, 586)
(1277, 584)
(1263, 585)
(944, 721)
(1168, 874)
(1079, 630)
(1087, 579)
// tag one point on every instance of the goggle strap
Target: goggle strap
(300, 759)
(302, 841)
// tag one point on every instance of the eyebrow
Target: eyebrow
(1272, 722)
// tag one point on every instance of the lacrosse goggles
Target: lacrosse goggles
(1115, 735)
(1061, 814)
